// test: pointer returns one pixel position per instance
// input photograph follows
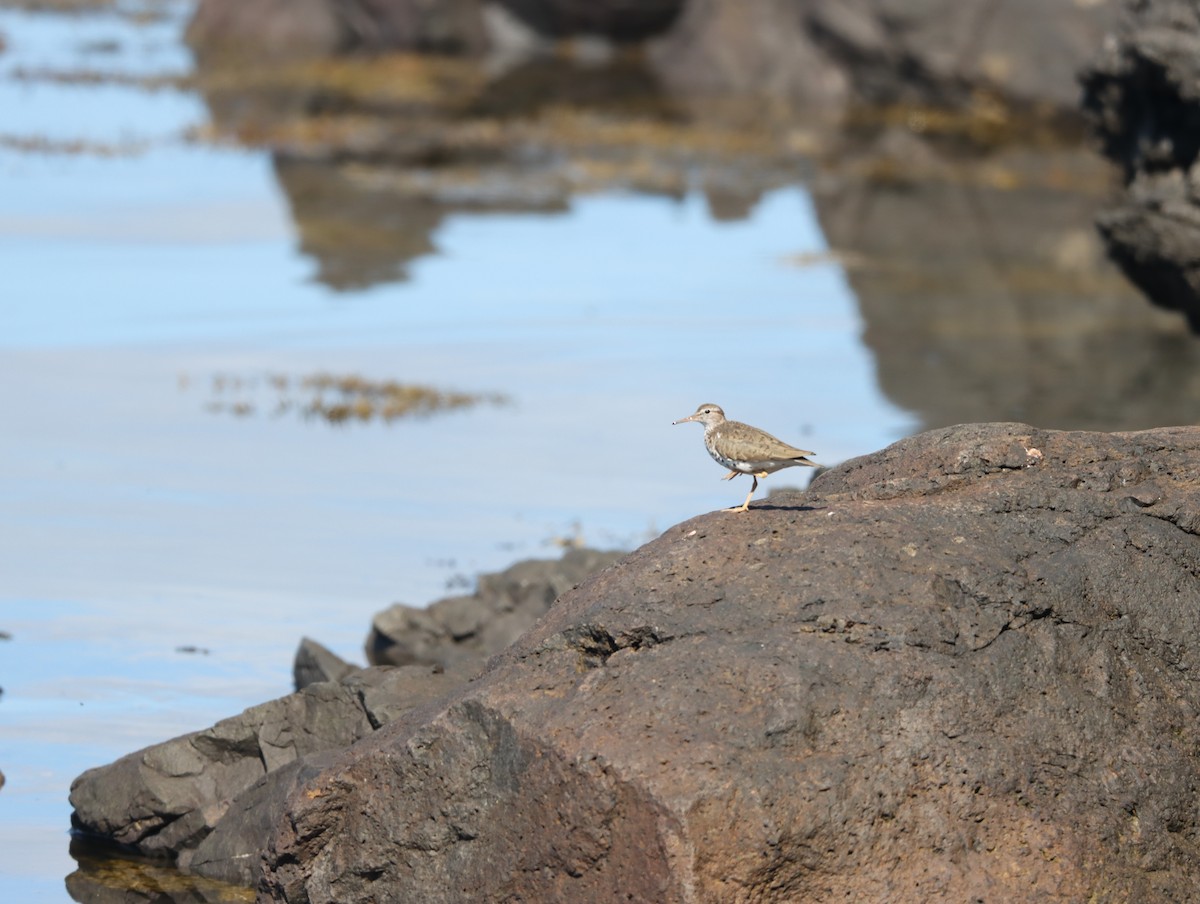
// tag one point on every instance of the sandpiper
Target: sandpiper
(744, 449)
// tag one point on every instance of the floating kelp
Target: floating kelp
(334, 398)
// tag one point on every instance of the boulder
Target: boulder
(315, 663)
(206, 800)
(1143, 95)
(469, 628)
(958, 669)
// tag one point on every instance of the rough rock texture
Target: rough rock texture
(466, 629)
(1144, 96)
(207, 799)
(315, 663)
(958, 669)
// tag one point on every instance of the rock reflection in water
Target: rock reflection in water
(102, 878)
(968, 234)
(374, 155)
(360, 230)
(986, 294)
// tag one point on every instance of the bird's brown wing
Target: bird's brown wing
(742, 442)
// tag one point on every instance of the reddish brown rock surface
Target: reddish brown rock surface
(959, 669)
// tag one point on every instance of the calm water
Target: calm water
(144, 288)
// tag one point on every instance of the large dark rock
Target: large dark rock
(1144, 96)
(206, 800)
(315, 663)
(958, 669)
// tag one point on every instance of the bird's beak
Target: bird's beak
(684, 420)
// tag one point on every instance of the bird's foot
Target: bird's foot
(731, 475)
(738, 508)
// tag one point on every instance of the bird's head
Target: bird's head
(708, 414)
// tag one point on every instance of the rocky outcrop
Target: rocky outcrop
(466, 629)
(206, 800)
(315, 663)
(1144, 96)
(958, 669)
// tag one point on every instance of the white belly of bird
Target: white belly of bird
(755, 467)
(749, 467)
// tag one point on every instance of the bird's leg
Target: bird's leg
(731, 475)
(745, 506)
(762, 473)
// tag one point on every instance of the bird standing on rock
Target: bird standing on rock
(744, 449)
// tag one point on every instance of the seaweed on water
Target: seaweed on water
(335, 398)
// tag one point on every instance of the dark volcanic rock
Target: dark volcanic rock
(166, 799)
(959, 669)
(315, 663)
(1144, 96)
(463, 629)
(207, 799)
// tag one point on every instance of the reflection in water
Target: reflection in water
(357, 236)
(982, 284)
(102, 878)
(365, 226)
(986, 293)
(374, 155)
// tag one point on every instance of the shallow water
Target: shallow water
(163, 555)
